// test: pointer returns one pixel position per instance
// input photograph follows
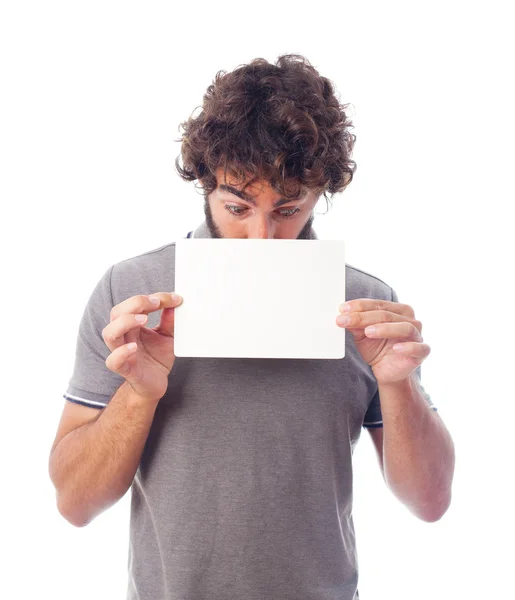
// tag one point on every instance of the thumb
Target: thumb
(166, 323)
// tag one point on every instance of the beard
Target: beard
(305, 233)
(213, 228)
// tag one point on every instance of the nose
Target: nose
(262, 229)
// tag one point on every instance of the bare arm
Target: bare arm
(93, 465)
(94, 458)
(418, 451)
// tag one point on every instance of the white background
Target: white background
(92, 96)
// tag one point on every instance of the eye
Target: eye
(238, 211)
(290, 212)
(234, 210)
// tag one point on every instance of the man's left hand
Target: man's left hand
(395, 323)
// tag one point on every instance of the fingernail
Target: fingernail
(154, 299)
(176, 297)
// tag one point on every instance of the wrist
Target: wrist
(136, 398)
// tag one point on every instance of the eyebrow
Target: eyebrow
(243, 196)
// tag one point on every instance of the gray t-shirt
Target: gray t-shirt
(244, 489)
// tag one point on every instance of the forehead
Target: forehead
(256, 187)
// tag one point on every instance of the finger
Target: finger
(367, 304)
(167, 300)
(374, 317)
(122, 359)
(143, 304)
(394, 330)
(114, 333)
(413, 349)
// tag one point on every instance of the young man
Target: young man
(241, 469)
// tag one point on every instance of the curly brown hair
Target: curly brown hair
(282, 123)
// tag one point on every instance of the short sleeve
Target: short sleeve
(373, 416)
(92, 383)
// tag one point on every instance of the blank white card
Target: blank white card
(255, 298)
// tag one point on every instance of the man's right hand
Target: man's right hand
(147, 366)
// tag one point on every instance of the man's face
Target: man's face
(263, 213)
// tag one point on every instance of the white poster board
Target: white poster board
(255, 298)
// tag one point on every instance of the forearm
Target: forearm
(94, 465)
(418, 451)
